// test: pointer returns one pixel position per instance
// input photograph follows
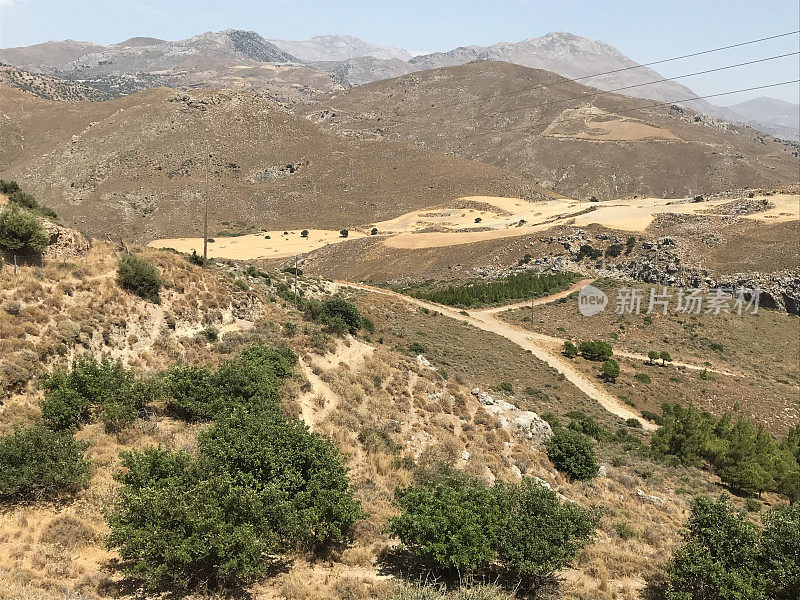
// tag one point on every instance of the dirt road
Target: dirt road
(486, 320)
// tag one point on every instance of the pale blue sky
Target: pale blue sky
(645, 30)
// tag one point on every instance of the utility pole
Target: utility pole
(295, 281)
(205, 218)
(532, 297)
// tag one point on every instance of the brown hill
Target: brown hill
(601, 144)
(136, 166)
(49, 88)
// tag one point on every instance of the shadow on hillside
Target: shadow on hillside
(403, 565)
(24, 259)
(120, 585)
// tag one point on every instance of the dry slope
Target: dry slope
(600, 145)
(135, 166)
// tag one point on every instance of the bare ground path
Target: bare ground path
(545, 348)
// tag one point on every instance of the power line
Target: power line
(644, 106)
(627, 87)
(577, 79)
(663, 60)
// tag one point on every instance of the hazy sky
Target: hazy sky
(644, 30)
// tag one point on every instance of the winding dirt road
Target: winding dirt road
(543, 347)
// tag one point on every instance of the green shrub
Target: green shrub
(780, 552)
(570, 349)
(597, 350)
(447, 518)
(634, 423)
(8, 187)
(583, 423)
(506, 387)
(415, 348)
(572, 453)
(743, 453)
(23, 200)
(21, 231)
(642, 378)
(625, 531)
(337, 314)
(609, 371)
(719, 557)
(36, 462)
(252, 379)
(140, 277)
(259, 486)
(196, 259)
(95, 388)
(456, 521)
(536, 534)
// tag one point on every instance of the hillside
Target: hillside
(538, 128)
(135, 166)
(49, 88)
(391, 415)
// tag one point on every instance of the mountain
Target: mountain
(338, 48)
(604, 145)
(778, 117)
(49, 55)
(365, 69)
(222, 59)
(134, 165)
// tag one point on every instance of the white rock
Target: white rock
(649, 499)
(465, 455)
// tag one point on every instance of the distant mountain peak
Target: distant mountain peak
(323, 48)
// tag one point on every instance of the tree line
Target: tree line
(514, 287)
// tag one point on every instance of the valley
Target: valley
(325, 319)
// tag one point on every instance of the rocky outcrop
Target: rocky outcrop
(513, 419)
(65, 242)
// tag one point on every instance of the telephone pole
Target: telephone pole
(295, 281)
(205, 217)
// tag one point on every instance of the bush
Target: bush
(610, 370)
(583, 423)
(780, 552)
(140, 277)
(251, 380)
(259, 486)
(570, 349)
(104, 387)
(456, 521)
(642, 378)
(337, 314)
(597, 350)
(20, 230)
(8, 187)
(23, 200)
(447, 518)
(536, 534)
(36, 462)
(743, 453)
(572, 453)
(415, 348)
(719, 558)
(196, 259)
